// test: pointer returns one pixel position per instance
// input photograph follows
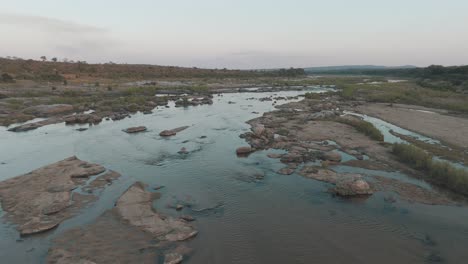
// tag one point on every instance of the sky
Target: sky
(238, 34)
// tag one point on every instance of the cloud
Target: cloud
(48, 24)
(34, 36)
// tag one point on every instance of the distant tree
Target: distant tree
(65, 82)
(43, 58)
(65, 60)
(54, 59)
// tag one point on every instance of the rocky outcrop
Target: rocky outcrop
(137, 129)
(122, 232)
(48, 110)
(41, 199)
(172, 132)
(82, 119)
(345, 184)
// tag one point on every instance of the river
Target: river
(278, 219)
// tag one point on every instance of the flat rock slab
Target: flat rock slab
(137, 129)
(172, 132)
(135, 206)
(131, 232)
(35, 125)
(41, 199)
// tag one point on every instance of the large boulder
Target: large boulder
(244, 150)
(352, 187)
(332, 156)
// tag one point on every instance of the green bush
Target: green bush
(440, 173)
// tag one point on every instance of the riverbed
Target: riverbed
(277, 219)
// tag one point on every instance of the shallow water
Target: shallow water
(280, 219)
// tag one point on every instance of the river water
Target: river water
(280, 219)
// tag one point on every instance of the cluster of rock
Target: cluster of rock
(345, 184)
(264, 135)
(41, 199)
(82, 119)
(194, 101)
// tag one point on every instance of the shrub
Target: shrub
(364, 127)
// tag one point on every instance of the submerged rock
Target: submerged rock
(183, 151)
(274, 155)
(137, 129)
(286, 171)
(172, 132)
(41, 199)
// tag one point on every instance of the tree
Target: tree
(54, 59)
(7, 78)
(43, 58)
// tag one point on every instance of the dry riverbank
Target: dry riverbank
(426, 121)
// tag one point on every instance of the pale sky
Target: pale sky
(240, 34)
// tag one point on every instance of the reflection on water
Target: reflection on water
(277, 219)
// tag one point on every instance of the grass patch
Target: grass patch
(440, 173)
(364, 127)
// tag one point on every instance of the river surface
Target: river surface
(279, 219)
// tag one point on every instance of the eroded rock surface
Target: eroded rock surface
(41, 199)
(131, 232)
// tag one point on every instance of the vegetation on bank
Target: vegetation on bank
(406, 93)
(55, 71)
(364, 127)
(452, 78)
(452, 153)
(440, 173)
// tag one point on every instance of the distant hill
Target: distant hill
(357, 68)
